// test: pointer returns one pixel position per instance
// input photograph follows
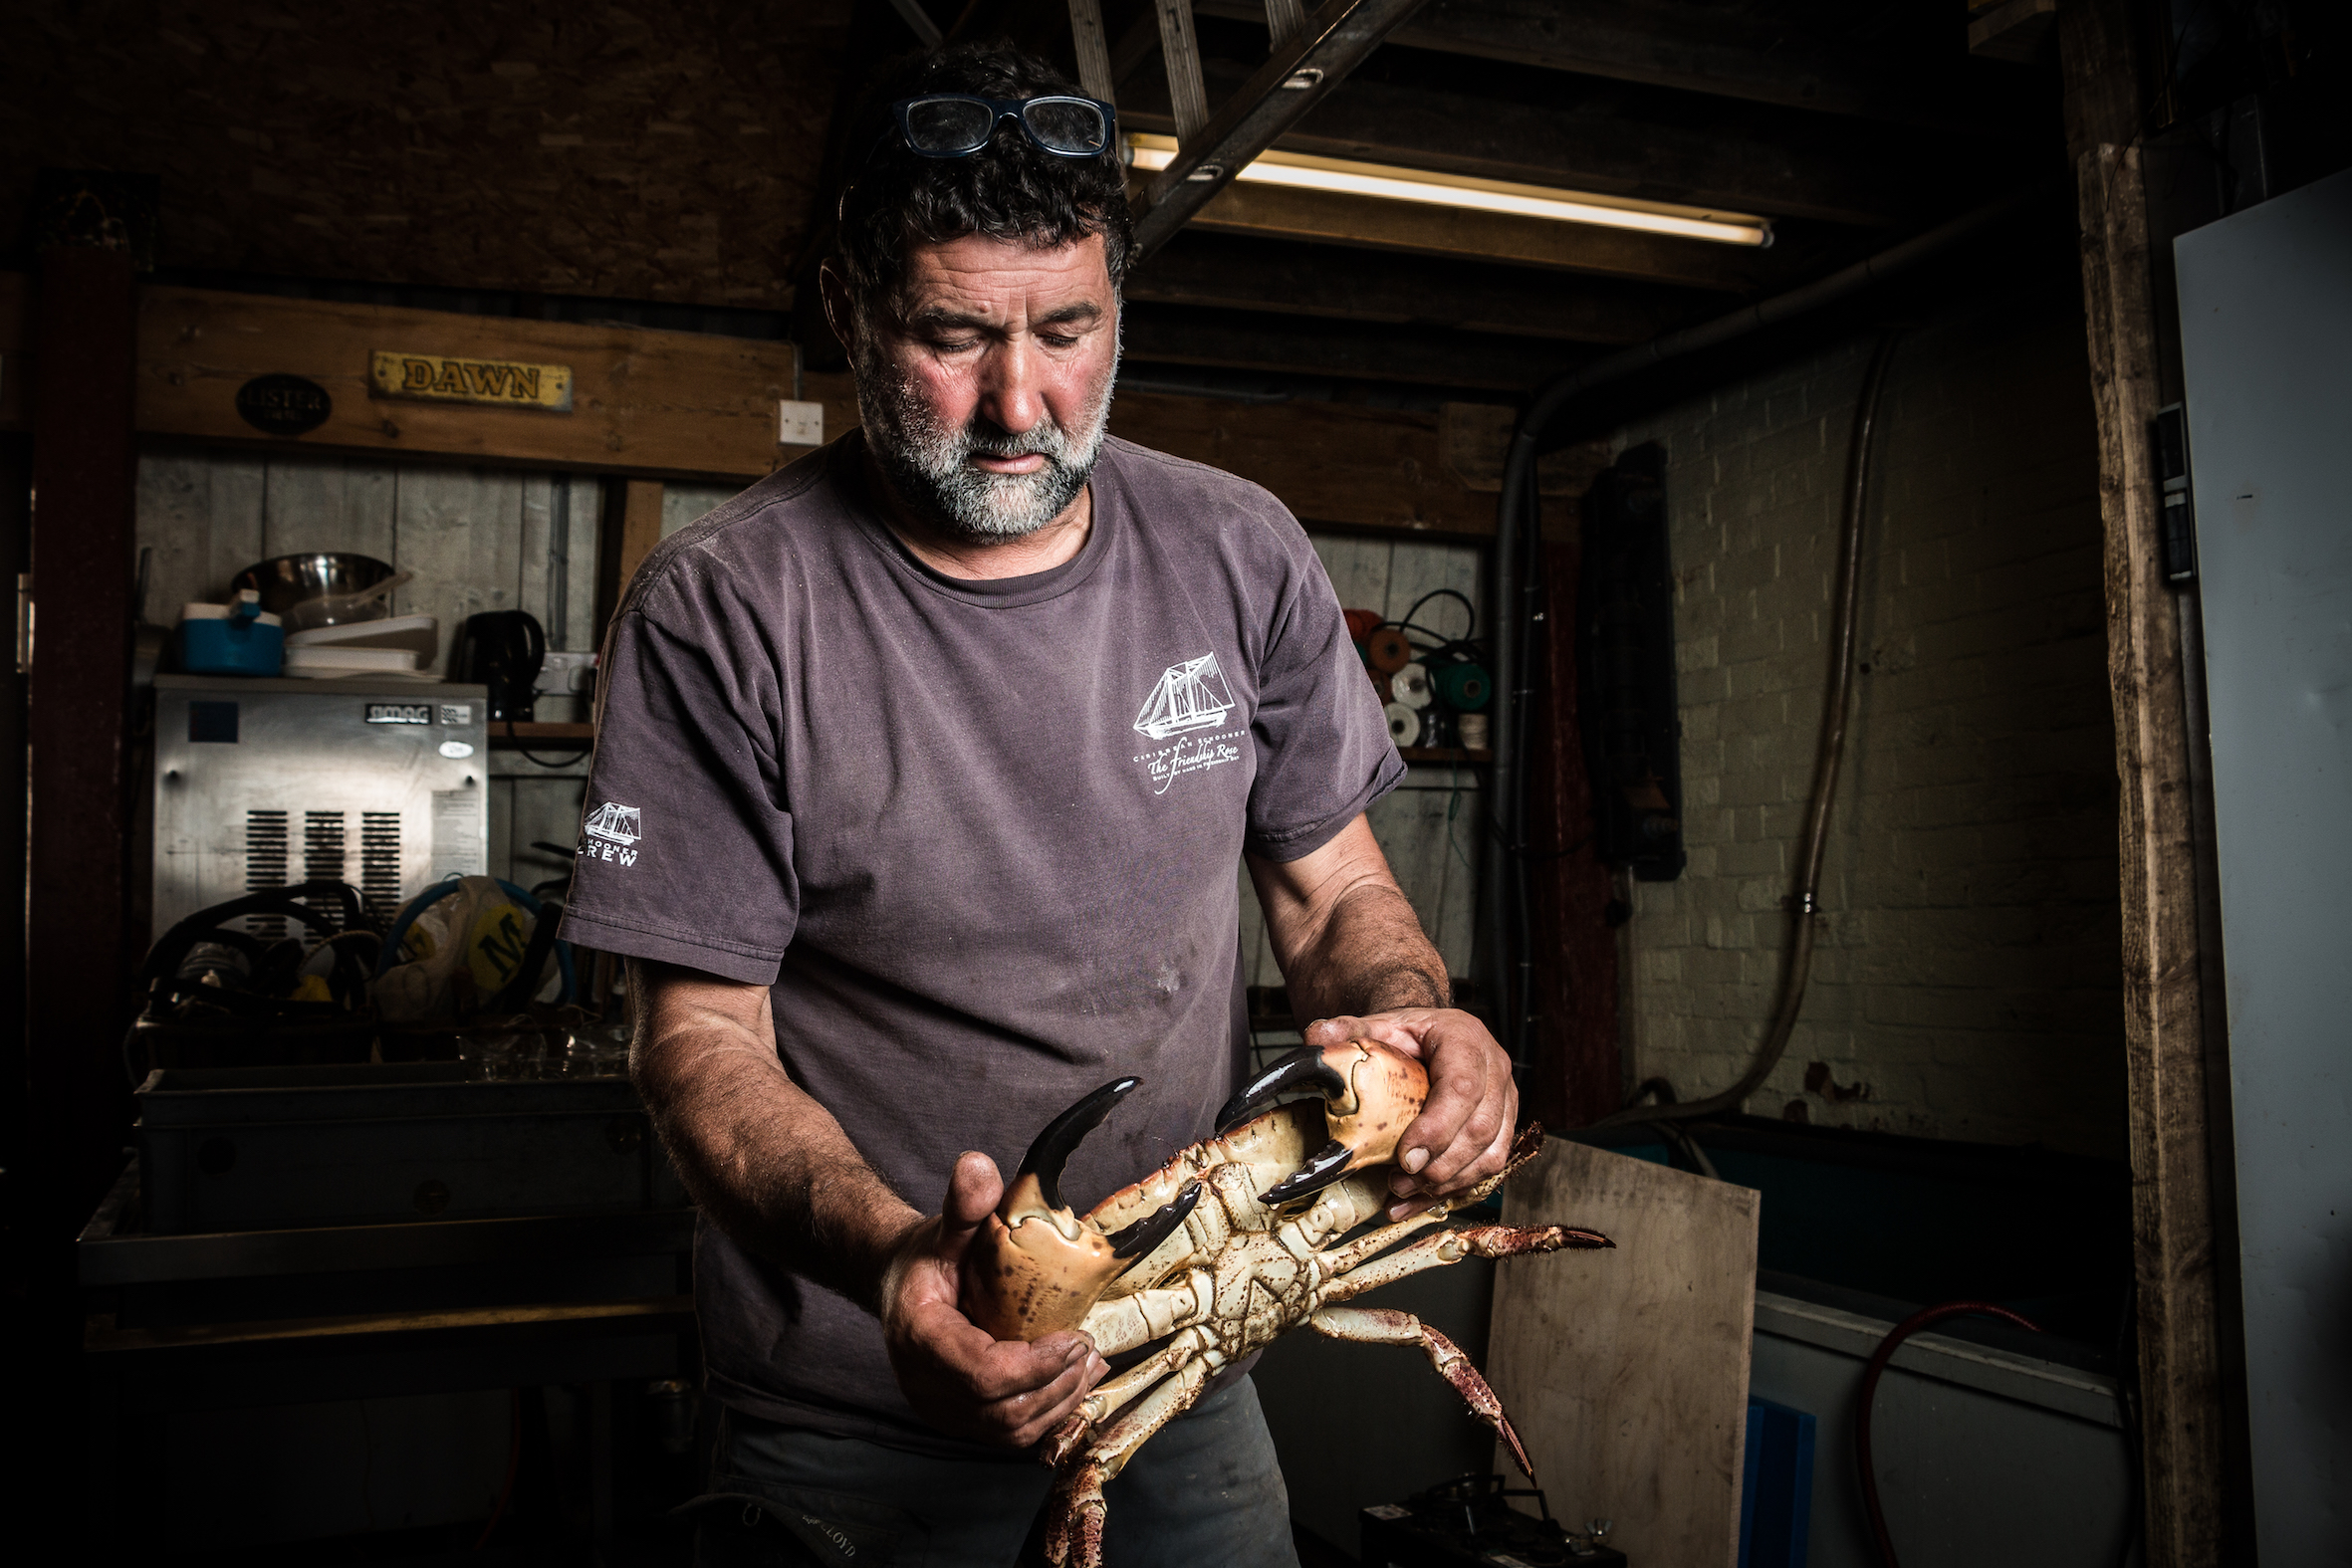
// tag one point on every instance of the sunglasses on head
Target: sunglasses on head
(956, 125)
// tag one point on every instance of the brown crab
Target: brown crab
(1232, 1242)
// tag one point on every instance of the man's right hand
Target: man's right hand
(959, 1377)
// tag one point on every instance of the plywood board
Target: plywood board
(1626, 1372)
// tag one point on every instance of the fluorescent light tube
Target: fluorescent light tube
(1385, 182)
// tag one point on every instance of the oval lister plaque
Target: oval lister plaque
(284, 405)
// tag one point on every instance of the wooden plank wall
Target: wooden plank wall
(477, 538)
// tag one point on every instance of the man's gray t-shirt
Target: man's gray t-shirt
(980, 837)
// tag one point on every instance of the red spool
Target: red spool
(1387, 651)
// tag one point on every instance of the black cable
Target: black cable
(1450, 594)
(1438, 647)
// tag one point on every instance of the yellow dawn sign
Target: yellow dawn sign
(444, 380)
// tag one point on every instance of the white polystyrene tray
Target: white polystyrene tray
(420, 635)
(351, 661)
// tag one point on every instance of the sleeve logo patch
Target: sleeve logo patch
(610, 833)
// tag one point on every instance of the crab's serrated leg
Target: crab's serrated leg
(1074, 1510)
(1451, 1246)
(1073, 1529)
(1372, 1243)
(1113, 1394)
(1525, 1147)
(1376, 1327)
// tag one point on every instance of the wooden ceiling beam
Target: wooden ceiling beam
(1706, 49)
(1308, 346)
(1318, 217)
(1298, 73)
(1226, 272)
(1827, 176)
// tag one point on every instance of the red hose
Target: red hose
(513, 1459)
(1878, 1364)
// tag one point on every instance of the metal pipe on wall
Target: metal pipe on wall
(1518, 527)
(1805, 901)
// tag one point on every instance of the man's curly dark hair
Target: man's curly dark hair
(1007, 190)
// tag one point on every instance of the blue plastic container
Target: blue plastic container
(230, 640)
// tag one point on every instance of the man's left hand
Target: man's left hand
(1463, 1131)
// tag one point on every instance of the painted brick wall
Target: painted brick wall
(1966, 982)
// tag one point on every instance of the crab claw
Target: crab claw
(1036, 1267)
(1371, 1093)
(1049, 1154)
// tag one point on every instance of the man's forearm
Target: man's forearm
(1369, 955)
(768, 1163)
(1344, 933)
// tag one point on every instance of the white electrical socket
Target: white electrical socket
(563, 673)
(799, 424)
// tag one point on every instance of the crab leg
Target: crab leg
(1113, 1395)
(1372, 1243)
(1376, 1327)
(1451, 1246)
(1139, 1319)
(1073, 1535)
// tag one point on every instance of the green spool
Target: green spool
(1465, 687)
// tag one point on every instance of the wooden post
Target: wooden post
(632, 527)
(2172, 1212)
(1579, 1076)
(83, 471)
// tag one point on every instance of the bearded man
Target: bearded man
(943, 745)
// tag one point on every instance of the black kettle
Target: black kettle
(503, 651)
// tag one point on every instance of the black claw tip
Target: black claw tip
(1064, 1133)
(1301, 1069)
(1323, 1167)
(1149, 1232)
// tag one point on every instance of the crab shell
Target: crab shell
(1037, 1269)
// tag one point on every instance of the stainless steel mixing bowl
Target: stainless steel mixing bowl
(289, 580)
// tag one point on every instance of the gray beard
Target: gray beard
(926, 463)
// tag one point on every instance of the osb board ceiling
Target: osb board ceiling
(647, 151)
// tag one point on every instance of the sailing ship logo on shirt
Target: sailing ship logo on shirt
(619, 827)
(1190, 696)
